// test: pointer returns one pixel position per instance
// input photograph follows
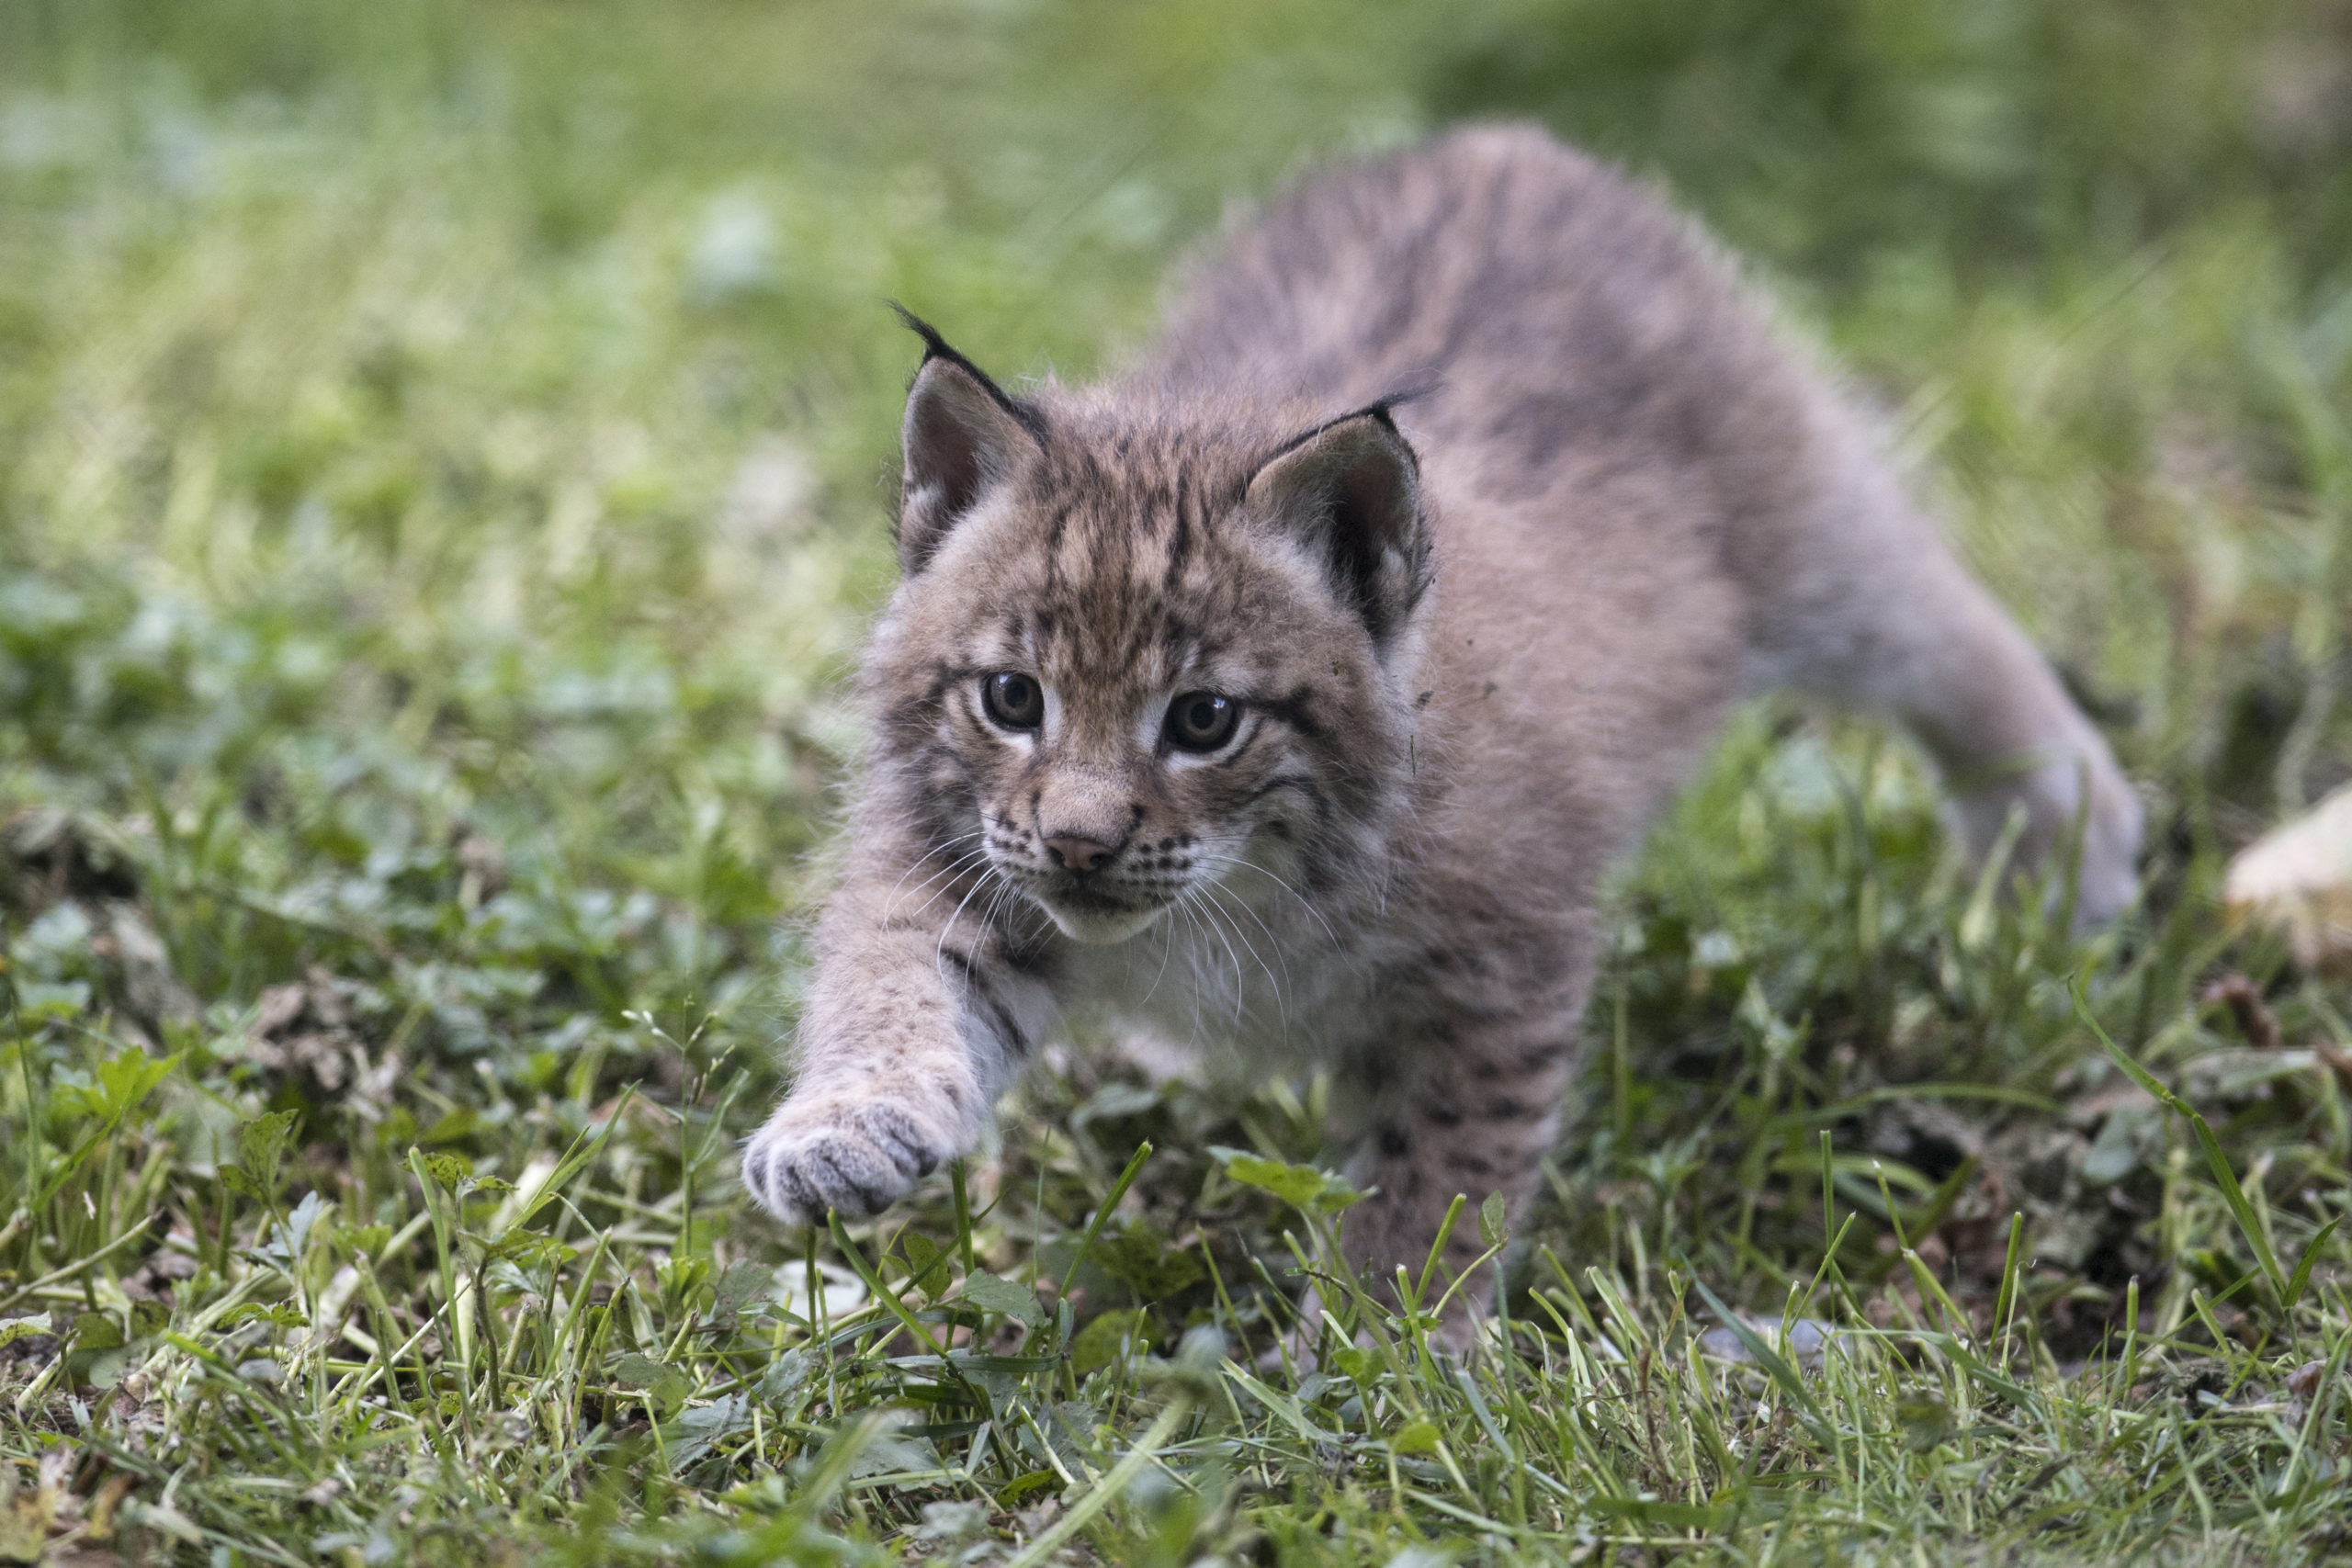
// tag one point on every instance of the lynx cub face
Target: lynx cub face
(1136, 662)
(1244, 699)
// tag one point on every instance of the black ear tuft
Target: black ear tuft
(933, 344)
(1353, 485)
(963, 435)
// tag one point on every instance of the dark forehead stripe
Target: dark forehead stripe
(1057, 526)
(1180, 532)
(1133, 614)
(1130, 571)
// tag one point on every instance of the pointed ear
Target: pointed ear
(1353, 488)
(963, 435)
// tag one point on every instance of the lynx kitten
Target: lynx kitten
(1294, 690)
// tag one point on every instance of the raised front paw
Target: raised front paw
(858, 1157)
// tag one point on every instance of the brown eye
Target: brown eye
(1013, 701)
(1201, 721)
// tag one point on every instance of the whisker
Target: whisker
(960, 864)
(1301, 898)
(1240, 978)
(1282, 1008)
(939, 950)
(1191, 959)
(890, 899)
(1166, 944)
(1221, 892)
(1279, 981)
(1006, 891)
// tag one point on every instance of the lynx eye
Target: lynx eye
(1013, 701)
(1201, 721)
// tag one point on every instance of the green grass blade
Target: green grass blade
(2302, 1277)
(882, 1292)
(2006, 1300)
(2216, 1158)
(1104, 1211)
(1775, 1366)
(583, 1149)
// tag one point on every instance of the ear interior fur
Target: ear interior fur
(1353, 486)
(963, 433)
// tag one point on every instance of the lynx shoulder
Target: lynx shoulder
(1293, 689)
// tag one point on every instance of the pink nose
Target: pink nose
(1079, 854)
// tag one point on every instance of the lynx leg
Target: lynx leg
(2005, 735)
(1470, 1107)
(1867, 605)
(913, 1021)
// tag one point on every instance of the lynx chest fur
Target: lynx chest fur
(1293, 691)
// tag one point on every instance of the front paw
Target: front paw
(857, 1156)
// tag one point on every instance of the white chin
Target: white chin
(1100, 928)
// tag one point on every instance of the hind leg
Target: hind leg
(1868, 607)
(2005, 735)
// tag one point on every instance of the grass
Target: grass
(439, 461)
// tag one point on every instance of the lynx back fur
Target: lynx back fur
(1293, 691)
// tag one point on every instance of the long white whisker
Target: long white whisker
(889, 900)
(1241, 977)
(1166, 944)
(939, 949)
(1219, 891)
(962, 868)
(1000, 887)
(1301, 898)
(1006, 891)
(1215, 897)
(959, 863)
(1191, 960)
